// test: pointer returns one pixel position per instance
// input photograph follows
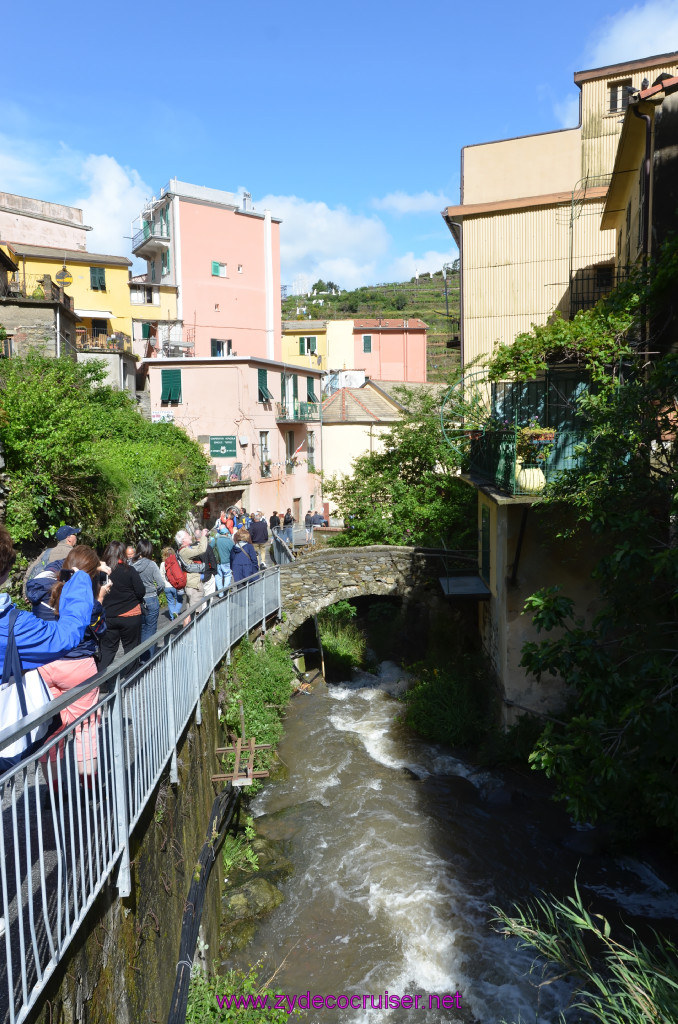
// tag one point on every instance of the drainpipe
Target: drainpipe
(646, 215)
(58, 331)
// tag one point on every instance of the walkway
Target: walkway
(63, 837)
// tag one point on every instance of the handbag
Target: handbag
(20, 696)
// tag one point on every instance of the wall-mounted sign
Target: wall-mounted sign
(223, 444)
(64, 278)
(162, 416)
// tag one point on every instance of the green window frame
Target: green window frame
(217, 269)
(307, 345)
(264, 395)
(310, 393)
(171, 387)
(295, 388)
(97, 279)
(367, 342)
(165, 262)
(146, 332)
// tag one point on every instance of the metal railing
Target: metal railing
(283, 553)
(38, 287)
(101, 341)
(68, 811)
(297, 412)
(495, 457)
(149, 233)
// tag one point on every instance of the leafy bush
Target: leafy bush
(344, 643)
(261, 679)
(205, 994)
(78, 451)
(449, 704)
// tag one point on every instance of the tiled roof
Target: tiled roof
(70, 255)
(412, 324)
(391, 387)
(358, 405)
(665, 85)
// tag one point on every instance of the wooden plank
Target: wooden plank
(229, 778)
(250, 760)
(258, 746)
(236, 765)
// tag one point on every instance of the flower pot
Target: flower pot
(529, 479)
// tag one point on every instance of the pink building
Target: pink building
(390, 349)
(259, 421)
(224, 259)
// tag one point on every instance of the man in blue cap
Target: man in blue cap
(67, 538)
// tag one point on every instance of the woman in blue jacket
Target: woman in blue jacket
(40, 642)
(244, 560)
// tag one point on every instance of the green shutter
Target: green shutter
(262, 382)
(152, 270)
(310, 393)
(215, 268)
(312, 340)
(168, 261)
(97, 278)
(295, 387)
(145, 331)
(367, 342)
(302, 346)
(93, 278)
(171, 386)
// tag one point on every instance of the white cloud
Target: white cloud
(115, 197)
(402, 268)
(421, 202)
(567, 112)
(642, 31)
(317, 240)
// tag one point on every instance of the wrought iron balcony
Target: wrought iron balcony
(518, 462)
(297, 412)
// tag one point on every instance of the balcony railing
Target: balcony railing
(37, 287)
(297, 412)
(100, 341)
(155, 235)
(495, 456)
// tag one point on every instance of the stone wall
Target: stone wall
(122, 966)
(320, 579)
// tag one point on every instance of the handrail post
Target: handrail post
(263, 603)
(122, 815)
(198, 709)
(247, 608)
(210, 611)
(228, 626)
(168, 675)
(279, 595)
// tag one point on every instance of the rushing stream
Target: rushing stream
(400, 851)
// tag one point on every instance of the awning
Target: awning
(97, 314)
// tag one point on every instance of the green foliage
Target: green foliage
(78, 451)
(513, 746)
(203, 1007)
(237, 852)
(616, 981)
(344, 643)
(450, 703)
(400, 300)
(261, 678)
(408, 493)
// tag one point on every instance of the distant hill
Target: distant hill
(422, 297)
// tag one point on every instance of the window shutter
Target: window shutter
(264, 394)
(367, 342)
(312, 340)
(309, 390)
(295, 387)
(171, 386)
(215, 268)
(146, 332)
(302, 346)
(93, 279)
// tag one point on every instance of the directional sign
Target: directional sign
(64, 278)
(223, 445)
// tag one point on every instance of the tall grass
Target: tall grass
(344, 643)
(616, 982)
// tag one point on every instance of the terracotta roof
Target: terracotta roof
(71, 255)
(391, 387)
(358, 405)
(383, 324)
(666, 85)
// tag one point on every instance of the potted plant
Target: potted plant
(534, 443)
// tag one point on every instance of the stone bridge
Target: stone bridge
(322, 577)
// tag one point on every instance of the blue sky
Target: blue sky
(345, 120)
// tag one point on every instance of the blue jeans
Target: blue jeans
(175, 599)
(287, 535)
(224, 575)
(149, 624)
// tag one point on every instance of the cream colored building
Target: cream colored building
(528, 225)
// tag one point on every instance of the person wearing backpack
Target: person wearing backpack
(175, 581)
(190, 559)
(223, 545)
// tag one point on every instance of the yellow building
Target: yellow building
(304, 343)
(528, 225)
(99, 288)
